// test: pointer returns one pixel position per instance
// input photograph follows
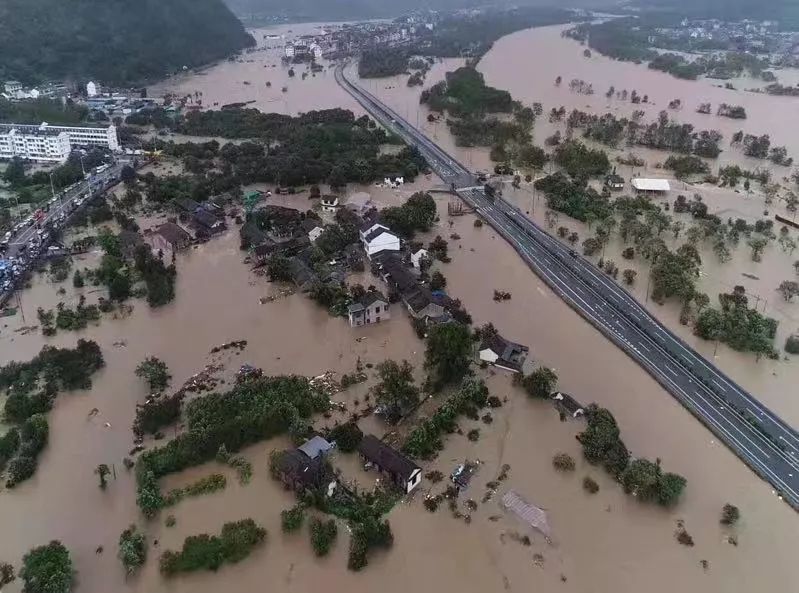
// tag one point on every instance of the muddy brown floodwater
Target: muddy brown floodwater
(603, 543)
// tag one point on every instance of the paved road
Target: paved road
(65, 204)
(758, 436)
(68, 202)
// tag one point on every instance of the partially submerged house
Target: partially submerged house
(329, 203)
(567, 404)
(422, 305)
(167, 237)
(373, 307)
(400, 470)
(299, 472)
(502, 353)
(207, 223)
(419, 257)
(377, 238)
(304, 468)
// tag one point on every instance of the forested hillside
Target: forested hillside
(113, 41)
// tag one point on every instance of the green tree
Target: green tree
(278, 268)
(6, 574)
(77, 279)
(155, 372)
(757, 245)
(347, 436)
(437, 281)
(541, 382)
(132, 549)
(396, 390)
(448, 353)
(323, 535)
(102, 471)
(788, 289)
(48, 569)
(292, 519)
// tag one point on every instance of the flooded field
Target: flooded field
(245, 80)
(603, 543)
(218, 300)
(508, 66)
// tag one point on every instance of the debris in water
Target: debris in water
(237, 344)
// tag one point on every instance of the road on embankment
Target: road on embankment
(768, 445)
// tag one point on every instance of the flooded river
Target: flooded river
(603, 543)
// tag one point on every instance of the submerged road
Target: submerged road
(768, 445)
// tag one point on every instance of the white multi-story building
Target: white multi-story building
(12, 87)
(34, 145)
(45, 142)
(289, 51)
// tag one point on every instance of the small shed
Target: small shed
(315, 447)
(656, 187)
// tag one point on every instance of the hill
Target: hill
(113, 41)
(786, 11)
(323, 10)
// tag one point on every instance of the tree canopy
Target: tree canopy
(48, 569)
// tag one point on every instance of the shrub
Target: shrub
(431, 503)
(473, 435)
(792, 344)
(590, 485)
(730, 514)
(323, 535)
(684, 537)
(434, 476)
(563, 462)
(370, 533)
(209, 552)
(204, 485)
(132, 549)
(292, 519)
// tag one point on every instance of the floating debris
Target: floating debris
(326, 383)
(236, 344)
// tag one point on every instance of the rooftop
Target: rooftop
(387, 458)
(315, 447)
(642, 184)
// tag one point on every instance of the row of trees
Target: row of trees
(663, 134)
(425, 440)
(602, 444)
(235, 542)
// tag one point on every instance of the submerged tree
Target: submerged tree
(48, 569)
(396, 390)
(155, 372)
(102, 471)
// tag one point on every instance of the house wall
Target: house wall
(414, 481)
